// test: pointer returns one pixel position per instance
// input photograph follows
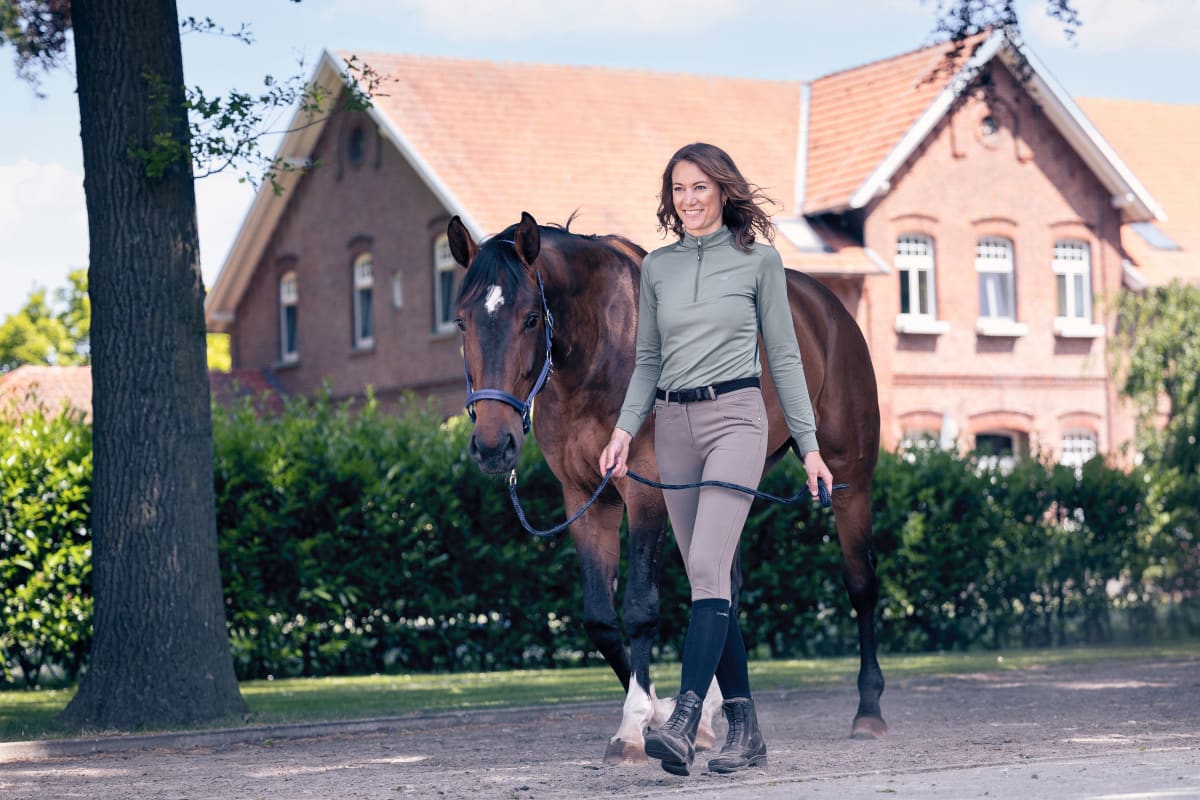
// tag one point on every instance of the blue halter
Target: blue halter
(522, 408)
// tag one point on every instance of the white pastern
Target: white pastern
(706, 736)
(495, 299)
(639, 710)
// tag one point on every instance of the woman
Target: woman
(704, 300)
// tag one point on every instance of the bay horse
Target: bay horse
(533, 295)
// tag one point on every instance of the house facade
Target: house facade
(978, 226)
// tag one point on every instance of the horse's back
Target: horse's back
(837, 366)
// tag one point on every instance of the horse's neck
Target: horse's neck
(594, 306)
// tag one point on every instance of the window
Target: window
(997, 305)
(914, 261)
(998, 450)
(1072, 270)
(994, 263)
(916, 443)
(1078, 447)
(445, 290)
(918, 308)
(364, 288)
(288, 298)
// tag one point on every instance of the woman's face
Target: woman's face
(697, 198)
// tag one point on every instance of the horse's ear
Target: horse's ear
(528, 239)
(462, 246)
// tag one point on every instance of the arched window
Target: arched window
(445, 285)
(1077, 448)
(364, 289)
(1073, 274)
(289, 297)
(914, 262)
(994, 263)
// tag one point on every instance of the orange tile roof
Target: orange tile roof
(857, 116)
(1161, 144)
(49, 388)
(506, 138)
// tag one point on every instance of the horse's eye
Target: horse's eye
(462, 326)
(532, 320)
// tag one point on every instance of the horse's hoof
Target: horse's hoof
(706, 739)
(621, 753)
(868, 728)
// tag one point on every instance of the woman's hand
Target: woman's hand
(814, 465)
(616, 454)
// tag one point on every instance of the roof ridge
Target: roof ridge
(943, 45)
(342, 52)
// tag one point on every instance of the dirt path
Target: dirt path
(973, 735)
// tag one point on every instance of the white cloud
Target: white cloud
(1114, 26)
(43, 225)
(521, 19)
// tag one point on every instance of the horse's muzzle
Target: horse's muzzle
(494, 458)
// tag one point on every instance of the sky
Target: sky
(1133, 49)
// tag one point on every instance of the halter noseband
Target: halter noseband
(522, 408)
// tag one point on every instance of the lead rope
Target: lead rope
(823, 494)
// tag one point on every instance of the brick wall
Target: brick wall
(1025, 183)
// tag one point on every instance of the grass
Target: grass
(26, 715)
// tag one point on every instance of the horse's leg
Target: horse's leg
(647, 533)
(597, 538)
(852, 510)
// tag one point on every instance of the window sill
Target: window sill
(912, 323)
(286, 363)
(1070, 328)
(363, 349)
(1001, 327)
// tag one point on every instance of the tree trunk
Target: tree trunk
(160, 652)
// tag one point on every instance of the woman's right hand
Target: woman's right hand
(616, 454)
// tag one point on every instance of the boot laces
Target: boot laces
(678, 719)
(737, 725)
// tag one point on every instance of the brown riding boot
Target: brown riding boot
(744, 745)
(675, 742)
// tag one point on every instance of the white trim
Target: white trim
(1129, 194)
(993, 326)
(921, 324)
(267, 208)
(1075, 328)
(802, 148)
(880, 178)
(884, 267)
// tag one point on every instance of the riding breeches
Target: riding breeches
(725, 440)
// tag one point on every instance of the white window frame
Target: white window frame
(1078, 445)
(443, 264)
(995, 265)
(289, 299)
(364, 298)
(1072, 267)
(914, 260)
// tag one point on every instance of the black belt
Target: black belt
(711, 392)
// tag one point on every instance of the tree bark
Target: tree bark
(160, 651)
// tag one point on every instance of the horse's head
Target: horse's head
(506, 333)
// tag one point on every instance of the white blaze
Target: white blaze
(495, 299)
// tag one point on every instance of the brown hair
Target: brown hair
(741, 214)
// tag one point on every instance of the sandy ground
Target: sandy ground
(1115, 730)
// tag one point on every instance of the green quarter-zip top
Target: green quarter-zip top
(703, 303)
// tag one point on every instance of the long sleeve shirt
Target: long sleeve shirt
(703, 303)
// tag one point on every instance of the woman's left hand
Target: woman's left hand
(814, 465)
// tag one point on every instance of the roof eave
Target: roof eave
(880, 179)
(1128, 193)
(257, 227)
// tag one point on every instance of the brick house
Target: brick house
(977, 226)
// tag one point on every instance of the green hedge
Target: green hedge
(356, 541)
(45, 546)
